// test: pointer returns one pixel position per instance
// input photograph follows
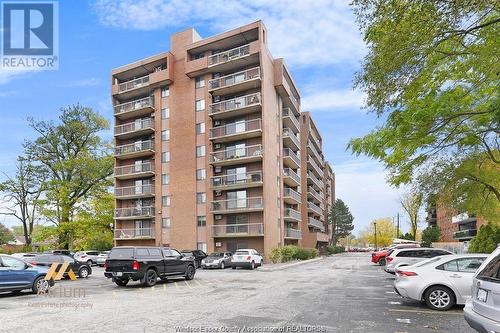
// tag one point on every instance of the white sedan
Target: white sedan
(248, 258)
(441, 281)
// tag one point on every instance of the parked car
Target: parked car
(101, 258)
(217, 260)
(379, 257)
(65, 252)
(482, 310)
(441, 281)
(147, 264)
(17, 275)
(80, 269)
(248, 258)
(197, 255)
(407, 257)
(24, 255)
(90, 257)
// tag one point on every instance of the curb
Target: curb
(293, 264)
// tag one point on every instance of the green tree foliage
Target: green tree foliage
(486, 240)
(341, 219)
(430, 235)
(431, 73)
(78, 163)
(385, 232)
(411, 203)
(5, 235)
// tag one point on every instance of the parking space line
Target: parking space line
(187, 284)
(176, 285)
(164, 287)
(198, 282)
(424, 311)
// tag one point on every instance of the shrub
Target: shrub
(304, 254)
(288, 252)
(275, 255)
(335, 249)
(291, 252)
(486, 240)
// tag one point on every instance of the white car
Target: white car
(248, 258)
(88, 257)
(441, 282)
(407, 257)
(101, 258)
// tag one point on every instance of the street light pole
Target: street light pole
(375, 225)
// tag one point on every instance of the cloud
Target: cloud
(8, 75)
(306, 33)
(91, 82)
(334, 99)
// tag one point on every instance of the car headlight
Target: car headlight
(202, 261)
(216, 261)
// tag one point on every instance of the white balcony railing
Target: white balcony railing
(235, 78)
(236, 128)
(148, 211)
(237, 204)
(134, 233)
(134, 169)
(287, 172)
(293, 233)
(289, 134)
(134, 84)
(134, 147)
(237, 179)
(314, 208)
(134, 190)
(134, 126)
(236, 153)
(229, 55)
(248, 229)
(292, 213)
(288, 113)
(134, 105)
(288, 192)
(287, 152)
(315, 180)
(234, 104)
(316, 224)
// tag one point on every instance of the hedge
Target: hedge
(291, 252)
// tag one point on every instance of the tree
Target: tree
(22, 194)
(78, 162)
(5, 235)
(385, 232)
(341, 220)
(430, 235)
(411, 203)
(486, 240)
(437, 92)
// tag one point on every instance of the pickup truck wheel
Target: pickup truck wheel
(222, 265)
(189, 273)
(121, 283)
(150, 278)
(381, 262)
(83, 272)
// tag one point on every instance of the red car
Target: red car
(378, 257)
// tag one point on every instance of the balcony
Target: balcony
(290, 177)
(140, 127)
(290, 120)
(291, 197)
(311, 207)
(312, 150)
(292, 215)
(236, 155)
(237, 131)
(139, 233)
(238, 230)
(134, 213)
(465, 234)
(133, 87)
(159, 75)
(236, 82)
(133, 109)
(316, 224)
(315, 182)
(293, 233)
(235, 107)
(229, 55)
(237, 181)
(462, 218)
(314, 167)
(135, 150)
(290, 139)
(132, 192)
(132, 171)
(290, 158)
(254, 204)
(313, 194)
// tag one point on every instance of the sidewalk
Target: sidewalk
(285, 265)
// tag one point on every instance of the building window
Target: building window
(165, 91)
(199, 82)
(200, 151)
(201, 197)
(202, 247)
(165, 179)
(201, 174)
(165, 156)
(165, 113)
(165, 201)
(200, 105)
(165, 222)
(201, 221)
(165, 135)
(200, 128)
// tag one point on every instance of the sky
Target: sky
(319, 40)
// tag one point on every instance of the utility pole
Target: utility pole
(375, 225)
(397, 228)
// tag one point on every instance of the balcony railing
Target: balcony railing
(134, 169)
(234, 104)
(235, 78)
(318, 196)
(316, 224)
(132, 212)
(134, 233)
(254, 203)
(238, 230)
(237, 179)
(288, 192)
(465, 233)
(287, 152)
(293, 233)
(315, 180)
(229, 55)
(314, 208)
(292, 213)
(134, 126)
(315, 152)
(236, 128)
(288, 133)
(134, 105)
(133, 84)
(288, 113)
(134, 147)
(287, 172)
(315, 166)
(236, 153)
(147, 189)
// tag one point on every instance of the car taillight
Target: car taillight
(33, 263)
(105, 264)
(405, 273)
(135, 265)
(389, 259)
(249, 258)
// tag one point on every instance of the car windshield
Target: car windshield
(241, 252)
(121, 254)
(216, 254)
(491, 272)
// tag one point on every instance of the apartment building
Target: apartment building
(213, 151)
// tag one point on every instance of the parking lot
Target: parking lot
(343, 293)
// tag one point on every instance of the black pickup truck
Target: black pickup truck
(146, 264)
